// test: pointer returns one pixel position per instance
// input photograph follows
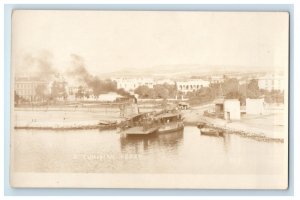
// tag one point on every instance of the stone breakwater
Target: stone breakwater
(258, 128)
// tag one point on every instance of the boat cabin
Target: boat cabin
(168, 117)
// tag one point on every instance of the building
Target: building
(219, 107)
(191, 85)
(130, 84)
(216, 79)
(27, 87)
(228, 109)
(271, 82)
(254, 106)
(232, 109)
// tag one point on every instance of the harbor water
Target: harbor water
(108, 151)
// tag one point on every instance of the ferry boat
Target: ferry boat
(139, 124)
(170, 121)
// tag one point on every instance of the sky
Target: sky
(110, 41)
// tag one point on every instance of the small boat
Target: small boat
(170, 121)
(107, 124)
(211, 132)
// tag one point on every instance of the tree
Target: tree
(161, 91)
(172, 89)
(253, 89)
(40, 91)
(87, 94)
(16, 98)
(58, 90)
(80, 92)
(230, 86)
(274, 96)
(143, 91)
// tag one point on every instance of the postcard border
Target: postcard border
(8, 191)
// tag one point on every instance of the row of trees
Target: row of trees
(162, 91)
(229, 89)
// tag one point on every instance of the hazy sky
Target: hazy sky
(114, 40)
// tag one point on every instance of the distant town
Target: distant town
(183, 99)
(195, 89)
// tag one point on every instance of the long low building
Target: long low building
(191, 85)
(130, 84)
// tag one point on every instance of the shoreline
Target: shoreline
(63, 120)
(66, 128)
(242, 133)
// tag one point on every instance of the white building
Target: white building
(232, 109)
(191, 85)
(254, 106)
(130, 84)
(271, 82)
(217, 79)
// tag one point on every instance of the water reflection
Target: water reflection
(107, 151)
(224, 138)
(143, 143)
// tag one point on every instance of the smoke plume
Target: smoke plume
(79, 71)
(38, 65)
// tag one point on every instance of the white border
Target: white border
(296, 69)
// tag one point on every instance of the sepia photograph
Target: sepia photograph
(149, 99)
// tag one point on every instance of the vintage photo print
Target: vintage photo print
(149, 99)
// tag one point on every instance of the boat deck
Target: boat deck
(139, 130)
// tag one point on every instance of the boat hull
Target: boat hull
(139, 130)
(211, 132)
(169, 129)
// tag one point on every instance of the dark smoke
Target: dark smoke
(78, 70)
(40, 65)
(94, 82)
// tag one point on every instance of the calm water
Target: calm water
(179, 152)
